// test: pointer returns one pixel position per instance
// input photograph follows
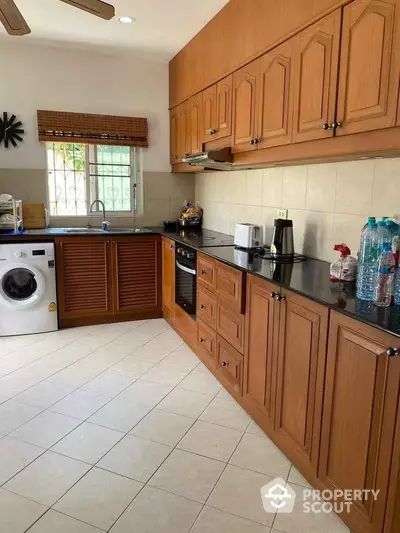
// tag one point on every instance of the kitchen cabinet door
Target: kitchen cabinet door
(195, 142)
(369, 66)
(315, 79)
(245, 107)
(359, 416)
(229, 365)
(84, 278)
(259, 367)
(174, 136)
(223, 119)
(183, 125)
(209, 113)
(168, 277)
(303, 331)
(276, 100)
(137, 275)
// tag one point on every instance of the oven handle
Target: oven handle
(185, 269)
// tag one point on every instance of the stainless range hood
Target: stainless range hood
(215, 159)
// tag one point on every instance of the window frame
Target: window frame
(91, 186)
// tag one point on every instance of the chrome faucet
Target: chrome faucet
(105, 225)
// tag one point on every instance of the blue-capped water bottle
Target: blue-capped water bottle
(385, 276)
(367, 262)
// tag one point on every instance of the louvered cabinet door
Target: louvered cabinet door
(137, 275)
(84, 277)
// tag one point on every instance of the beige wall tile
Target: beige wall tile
(268, 216)
(294, 187)
(318, 237)
(236, 190)
(386, 191)
(254, 187)
(321, 187)
(272, 187)
(299, 228)
(354, 187)
(347, 229)
(217, 217)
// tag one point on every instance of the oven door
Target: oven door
(185, 287)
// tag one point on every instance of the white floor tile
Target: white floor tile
(163, 427)
(17, 382)
(261, 455)
(47, 478)
(13, 414)
(224, 394)
(186, 403)
(155, 510)
(14, 456)
(201, 380)
(75, 375)
(254, 429)
(238, 493)
(132, 367)
(215, 521)
(188, 475)
(105, 357)
(135, 458)
(226, 413)
(166, 374)
(184, 357)
(297, 478)
(108, 384)
(45, 429)
(53, 522)
(145, 392)
(44, 394)
(120, 414)
(80, 404)
(88, 443)
(99, 498)
(17, 514)
(216, 442)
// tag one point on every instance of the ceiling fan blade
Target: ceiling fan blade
(95, 7)
(11, 18)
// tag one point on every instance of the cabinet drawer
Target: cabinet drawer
(207, 307)
(229, 285)
(230, 325)
(206, 341)
(206, 271)
(229, 365)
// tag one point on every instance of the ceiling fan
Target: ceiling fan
(14, 22)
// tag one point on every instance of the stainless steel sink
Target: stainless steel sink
(85, 230)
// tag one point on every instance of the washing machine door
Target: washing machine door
(22, 286)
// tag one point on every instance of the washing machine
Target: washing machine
(28, 295)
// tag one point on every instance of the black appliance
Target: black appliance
(282, 240)
(185, 278)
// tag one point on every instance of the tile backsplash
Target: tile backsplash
(329, 203)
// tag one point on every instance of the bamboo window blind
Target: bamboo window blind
(56, 126)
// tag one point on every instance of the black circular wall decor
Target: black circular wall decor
(10, 130)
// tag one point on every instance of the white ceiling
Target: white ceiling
(162, 27)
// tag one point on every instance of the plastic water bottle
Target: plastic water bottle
(397, 289)
(385, 276)
(367, 262)
(394, 231)
(384, 237)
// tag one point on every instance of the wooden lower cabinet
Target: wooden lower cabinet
(206, 344)
(229, 364)
(206, 307)
(359, 419)
(107, 279)
(168, 278)
(230, 325)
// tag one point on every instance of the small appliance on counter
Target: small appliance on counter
(248, 236)
(282, 240)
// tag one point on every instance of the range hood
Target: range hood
(215, 159)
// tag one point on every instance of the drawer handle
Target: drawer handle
(202, 340)
(203, 272)
(273, 294)
(225, 363)
(391, 352)
(202, 306)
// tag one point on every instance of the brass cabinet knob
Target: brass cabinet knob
(273, 294)
(202, 306)
(253, 141)
(225, 363)
(202, 340)
(326, 126)
(337, 125)
(391, 352)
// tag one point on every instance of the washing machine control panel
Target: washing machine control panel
(18, 254)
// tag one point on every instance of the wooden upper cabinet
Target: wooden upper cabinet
(195, 141)
(174, 139)
(245, 110)
(137, 279)
(223, 115)
(209, 113)
(183, 129)
(84, 277)
(359, 416)
(369, 66)
(259, 369)
(315, 79)
(303, 331)
(168, 277)
(275, 96)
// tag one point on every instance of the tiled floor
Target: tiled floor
(120, 428)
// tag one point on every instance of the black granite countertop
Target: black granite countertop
(57, 232)
(309, 278)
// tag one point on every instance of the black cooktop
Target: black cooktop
(200, 238)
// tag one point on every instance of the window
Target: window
(78, 174)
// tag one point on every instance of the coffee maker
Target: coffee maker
(282, 240)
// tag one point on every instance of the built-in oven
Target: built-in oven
(185, 279)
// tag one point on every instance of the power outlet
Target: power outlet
(282, 213)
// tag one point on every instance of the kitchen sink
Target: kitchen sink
(85, 230)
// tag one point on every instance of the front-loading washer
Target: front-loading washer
(28, 294)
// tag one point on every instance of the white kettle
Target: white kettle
(248, 236)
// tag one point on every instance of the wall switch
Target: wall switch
(282, 213)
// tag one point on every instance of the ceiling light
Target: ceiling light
(126, 20)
